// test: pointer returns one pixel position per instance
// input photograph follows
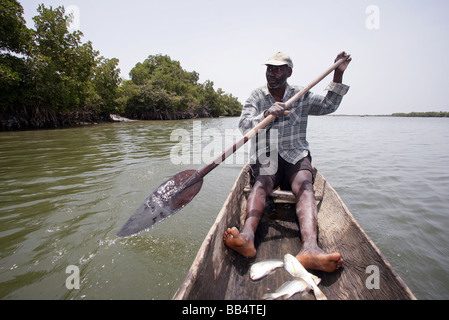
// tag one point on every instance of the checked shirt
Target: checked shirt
(289, 134)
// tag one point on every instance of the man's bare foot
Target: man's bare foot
(318, 259)
(239, 242)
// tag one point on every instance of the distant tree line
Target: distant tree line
(435, 114)
(160, 89)
(49, 78)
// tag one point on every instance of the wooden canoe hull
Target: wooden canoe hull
(219, 273)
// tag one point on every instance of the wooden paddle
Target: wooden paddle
(178, 191)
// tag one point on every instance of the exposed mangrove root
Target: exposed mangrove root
(39, 118)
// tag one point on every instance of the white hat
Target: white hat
(280, 59)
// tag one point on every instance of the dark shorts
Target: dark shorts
(285, 171)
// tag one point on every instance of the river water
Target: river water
(65, 193)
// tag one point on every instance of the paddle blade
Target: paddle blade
(166, 200)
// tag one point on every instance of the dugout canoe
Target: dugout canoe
(219, 273)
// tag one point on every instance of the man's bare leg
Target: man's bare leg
(311, 255)
(243, 241)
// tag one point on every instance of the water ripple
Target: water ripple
(65, 193)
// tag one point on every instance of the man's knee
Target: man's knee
(307, 186)
(302, 182)
(263, 184)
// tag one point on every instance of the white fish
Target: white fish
(297, 270)
(264, 268)
(289, 288)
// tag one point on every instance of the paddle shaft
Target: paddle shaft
(177, 192)
(208, 168)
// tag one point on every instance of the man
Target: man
(290, 161)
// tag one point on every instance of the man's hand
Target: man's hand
(338, 74)
(277, 109)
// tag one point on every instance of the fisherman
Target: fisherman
(289, 164)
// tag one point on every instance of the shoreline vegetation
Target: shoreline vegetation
(430, 114)
(49, 78)
(426, 114)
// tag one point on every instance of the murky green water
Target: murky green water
(64, 194)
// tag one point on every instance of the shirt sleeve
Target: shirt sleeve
(321, 105)
(252, 112)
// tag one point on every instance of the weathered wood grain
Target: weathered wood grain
(219, 273)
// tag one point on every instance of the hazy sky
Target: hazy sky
(399, 47)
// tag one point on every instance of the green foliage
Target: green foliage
(14, 35)
(49, 78)
(433, 114)
(63, 66)
(15, 41)
(105, 83)
(163, 90)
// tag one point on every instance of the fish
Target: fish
(263, 268)
(290, 288)
(297, 270)
(287, 290)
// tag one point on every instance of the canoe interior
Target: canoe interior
(221, 274)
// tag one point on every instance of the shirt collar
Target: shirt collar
(287, 94)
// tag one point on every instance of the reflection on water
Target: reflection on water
(64, 194)
(393, 175)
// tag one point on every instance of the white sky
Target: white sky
(399, 67)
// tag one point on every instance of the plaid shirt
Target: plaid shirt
(290, 140)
